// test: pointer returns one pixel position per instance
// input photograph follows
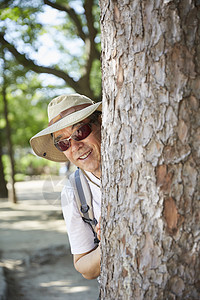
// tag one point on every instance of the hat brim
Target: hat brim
(42, 142)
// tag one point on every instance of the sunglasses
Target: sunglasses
(80, 134)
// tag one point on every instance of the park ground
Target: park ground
(35, 257)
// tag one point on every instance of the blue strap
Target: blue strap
(84, 206)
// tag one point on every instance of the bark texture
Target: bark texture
(150, 149)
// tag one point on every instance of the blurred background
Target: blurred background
(47, 48)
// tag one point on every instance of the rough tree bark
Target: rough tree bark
(150, 149)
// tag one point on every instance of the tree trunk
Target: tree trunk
(3, 189)
(12, 193)
(150, 149)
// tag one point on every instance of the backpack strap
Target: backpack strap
(83, 198)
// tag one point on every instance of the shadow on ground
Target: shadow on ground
(35, 253)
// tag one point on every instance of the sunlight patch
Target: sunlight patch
(62, 286)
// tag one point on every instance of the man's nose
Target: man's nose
(76, 145)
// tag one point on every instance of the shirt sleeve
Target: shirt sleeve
(80, 235)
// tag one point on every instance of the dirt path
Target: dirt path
(35, 252)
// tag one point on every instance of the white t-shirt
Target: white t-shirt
(80, 234)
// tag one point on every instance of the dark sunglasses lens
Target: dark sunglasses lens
(82, 133)
(63, 145)
(78, 135)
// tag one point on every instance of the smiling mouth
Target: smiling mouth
(85, 155)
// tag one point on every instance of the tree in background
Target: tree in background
(4, 95)
(21, 115)
(151, 149)
(22, 29)
(3, 190)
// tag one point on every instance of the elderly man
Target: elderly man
(74, 134)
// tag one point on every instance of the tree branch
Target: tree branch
(90, 43)
(30, 64)
(90, 19)
(90, 46)
(90, 23)
(5, 3)
(72, 14)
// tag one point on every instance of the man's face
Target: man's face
(85, 154)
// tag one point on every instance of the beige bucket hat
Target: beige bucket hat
(63, 111)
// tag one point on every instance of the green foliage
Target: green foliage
(95, 77)
(33, 165)
(21, 24)
(27, 115)
(25, 26)
(28, 164)
(7, 166)
(26, 105)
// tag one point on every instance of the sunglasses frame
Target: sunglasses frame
(56, 144)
